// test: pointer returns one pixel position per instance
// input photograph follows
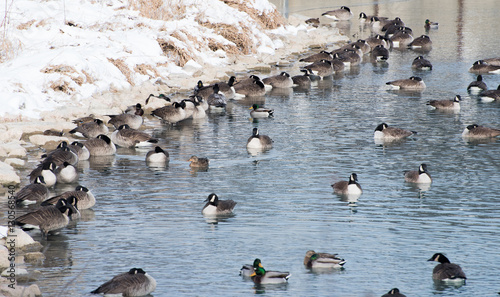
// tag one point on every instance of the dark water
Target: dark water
(151, 217)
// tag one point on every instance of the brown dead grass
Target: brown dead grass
(243, 44)
(159, 9)
(122, 66)
(180, 56)
(62, 85)
(26, 25)
(146, 69)
(267, 20)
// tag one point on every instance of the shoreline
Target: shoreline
(19, 136)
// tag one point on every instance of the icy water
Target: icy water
(151, 217)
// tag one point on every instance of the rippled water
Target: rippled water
(151, 217)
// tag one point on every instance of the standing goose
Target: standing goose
(420, 63)
(66, 173)
(342, 14)
(172, 113)
(322, 260)
(134, 120)
(423, 42)
(199, 162)
(47, 218)
(304, 80)
(477, 86)
(322, 55)
(394, 293)
(45, 169)
(414, 83)
(283, 80)
(421, 176)
(251, 88)
(125, 136)
(135, 282)
(480, 67)
(84, 197)
(80, 150)
(476, 131)
(261, 276)
(216, 100)
(384, 132)
(214, 206)
(446, 104)
(257, 141)
(379, 53)
(446, 271)
(350, 187)
(91, 129)
(157, 156)
(100, 146)
(260, 112)
(32, 193)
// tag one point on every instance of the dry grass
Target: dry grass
(9, 49)
(71, 72)
(159, 9)
(146, 69)
(267, 20)
(62, 85)
(26, 25)
(122, 66)
(179, 56)
(240, 38)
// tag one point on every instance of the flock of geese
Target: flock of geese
(58, 166)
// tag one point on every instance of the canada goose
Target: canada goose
(100, 146)
(363, 18)
(480, 67)
(61, 154)
(260, 112)
(227, 88)
(257, 141)
(80, 150)
(172, 113)
(394, 293)
(47, 218)
(91, 129)
(423, 42)
(283, 80)
(430, 25)
(379, 53)
(66, 173)
(414, 83)
(477, 86)
(216, 100)
(446, 104)
(349, 57)
(322, 55)
(490, 95)
(377, 40)
(83, 120)
(395, 22)
(446, 271)
(32, 193)
(135, 282)
(158, 155)
(392, 29)
(51, 132)
(350, 187)
(476, 131)
(401, 39)
(384, 132)
(202, 90)
(363, 46)
(198, 162)
(304, 80)
(421, 176)
(125, 136)
(45, 169)
(251, 88)
(85, 198)
(493, 61)
(214, 206)
(322, 260)
(322, 68)
(199, 107)
(261, 276)
(134, 120)
(353, 47)
(420, 63)
(135, 109)
(342, 14)
(378, 23)
(161, 96)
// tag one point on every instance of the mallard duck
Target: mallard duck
(413, 83)
(430, 25)
(476, 131)
(198, 162)
(394, 293)
(90, 129)
(47, 170)
(446, 271)
(135, 282)
(446, 104)
(100, 146)
(322, 260)
(125, 136)
(350, 187)
(32, 193)
(257, 141)
(133, 120)
(341, 14)
(420, 63)
(384, 132)
(214, 206)
(261, 276)
(47, 218)
(260, 112)
(158, 155)
(477, 86)
(82, 194)
(420, 176)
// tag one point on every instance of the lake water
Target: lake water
(151, 217)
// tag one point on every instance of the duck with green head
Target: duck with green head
(322, 260)
(260, 112)
(261, 276)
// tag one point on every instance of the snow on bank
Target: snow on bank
(57, 51)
